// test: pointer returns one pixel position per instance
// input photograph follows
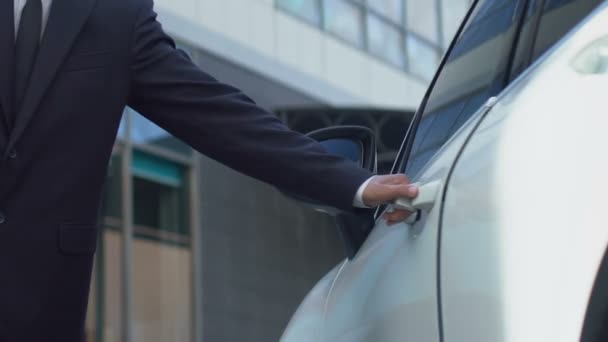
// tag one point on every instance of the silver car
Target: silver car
(510, 234)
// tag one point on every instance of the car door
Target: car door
(484, 249)
(389, 290)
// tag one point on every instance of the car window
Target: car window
(557, 18)
(476, 69)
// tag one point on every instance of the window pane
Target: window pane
(344, 19)
(391, 9)
(305, 9)
(158, 211)
(385, 41)
(159, 199)
(559, 17)
(475, 71)
(422, 19)
(423, 58)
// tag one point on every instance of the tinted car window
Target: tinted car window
(557, 18)
(476, 69)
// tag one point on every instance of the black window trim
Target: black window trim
(405, 149)
(406, 146)
(538, 16)
(408, 140)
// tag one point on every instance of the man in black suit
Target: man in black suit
(67, 70)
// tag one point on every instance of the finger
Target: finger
(397, 179)
(404, 190)
(412, 190)
(397, 216)
(401, 215)
(391, 217)
(385, 189)
(389, 193)
(388, 215)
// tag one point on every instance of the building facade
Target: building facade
(192, 251)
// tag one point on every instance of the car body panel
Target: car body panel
(307, 322)
(525, 225)
(388, 291)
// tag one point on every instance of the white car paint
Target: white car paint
(524, 225)
(307, 322)
(388, 291)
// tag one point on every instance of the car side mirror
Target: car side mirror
(356, 143)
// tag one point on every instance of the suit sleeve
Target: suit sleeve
(221, 122)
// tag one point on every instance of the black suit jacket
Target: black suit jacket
(96, 57)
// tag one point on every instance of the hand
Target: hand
(385, 189)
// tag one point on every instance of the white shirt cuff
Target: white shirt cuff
(358, 200)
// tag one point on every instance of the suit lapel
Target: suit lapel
(7, 64)
(65, 22)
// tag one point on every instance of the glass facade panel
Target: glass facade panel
(385, 41)
(344, 19)
(381, 26)
(391, 9)
(423, 58)
(308, 10)
(422, 18)
(159, 211)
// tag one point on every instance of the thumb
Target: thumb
(409, 190)
(386, 193)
